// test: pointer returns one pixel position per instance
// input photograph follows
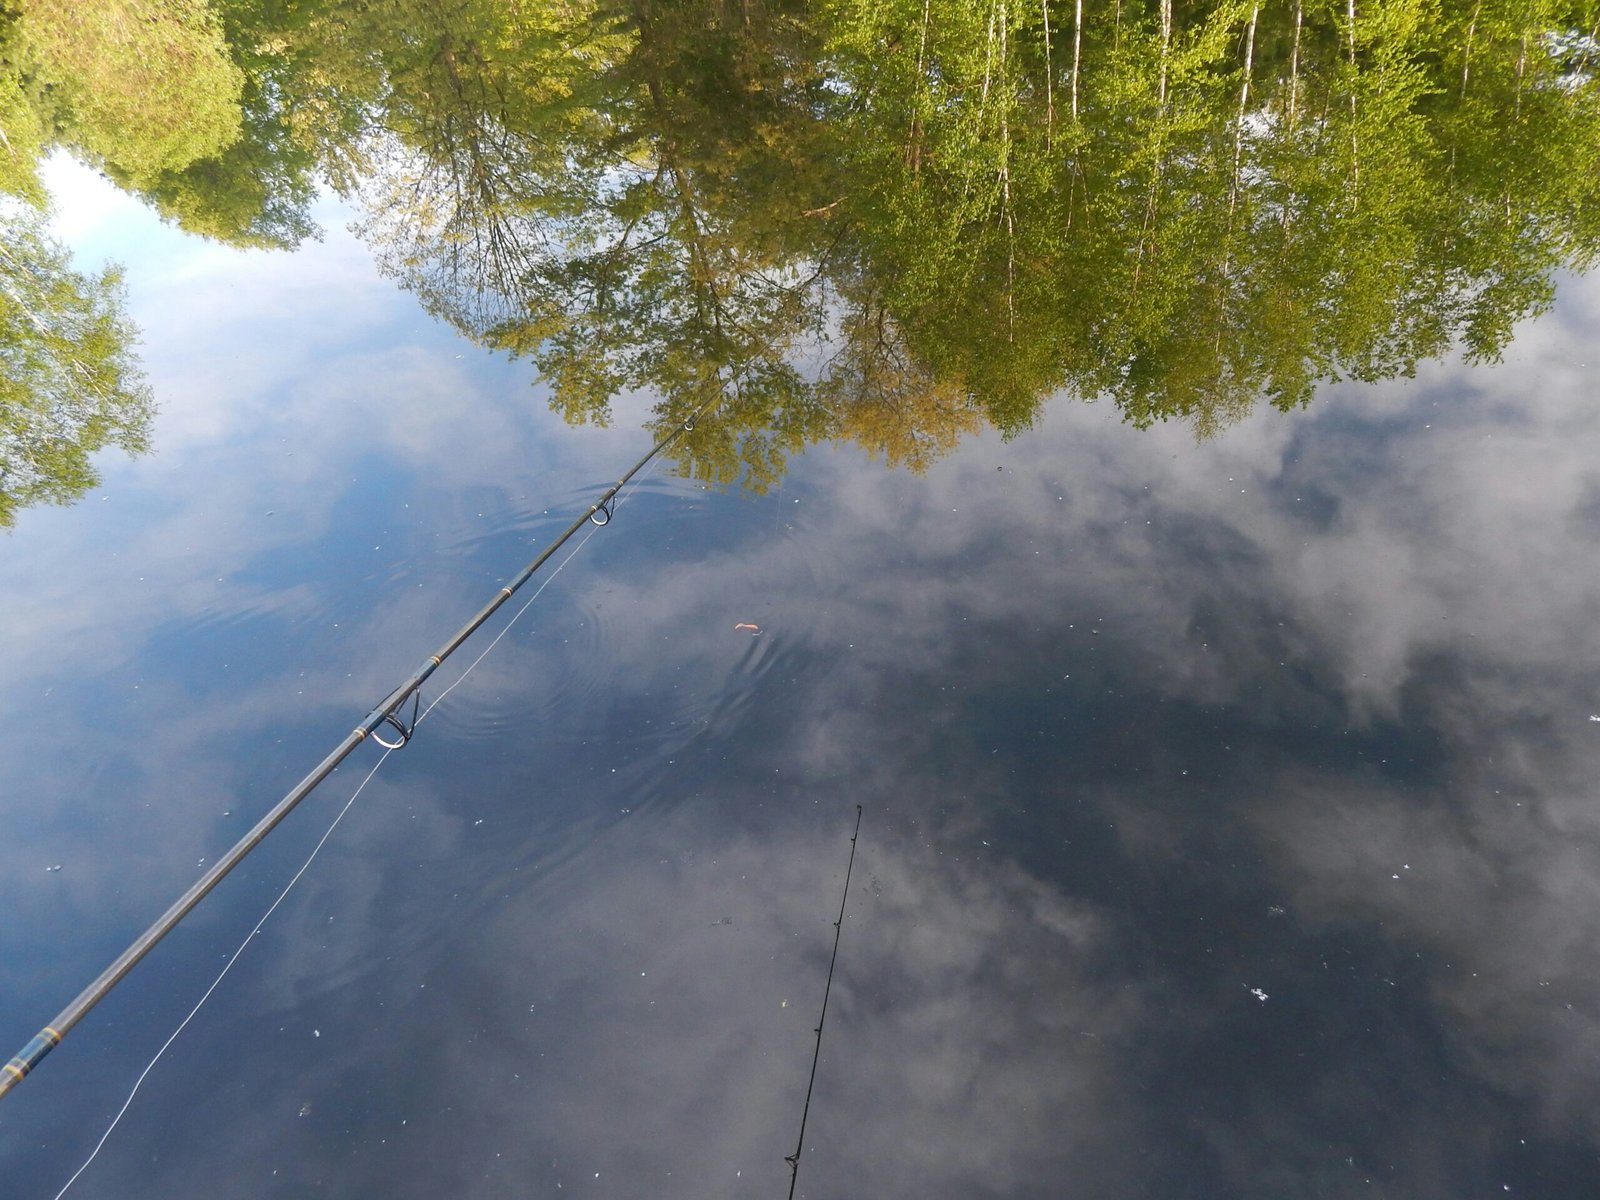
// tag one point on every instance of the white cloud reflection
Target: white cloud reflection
(1411, 562)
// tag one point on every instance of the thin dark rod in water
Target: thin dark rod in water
(48, 1038)
(794, 1159)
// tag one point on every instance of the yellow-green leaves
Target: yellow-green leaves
(69, 382)
(144, 86)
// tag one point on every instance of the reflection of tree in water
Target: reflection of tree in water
(893, 220)
(70, 385)
(1241, 207)
(1184, 216)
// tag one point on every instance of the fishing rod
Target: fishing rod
(387, 713)
(794, 1159)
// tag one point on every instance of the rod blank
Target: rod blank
(48, 1038)
(816, 1054)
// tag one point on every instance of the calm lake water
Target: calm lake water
(1227, 768)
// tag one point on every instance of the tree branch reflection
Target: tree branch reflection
(897, 221)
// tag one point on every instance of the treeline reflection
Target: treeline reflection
(892, 221)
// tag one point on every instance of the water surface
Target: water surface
(1227, 799)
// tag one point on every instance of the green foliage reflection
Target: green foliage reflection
(967, 204)
(69, 384)
(982, 202)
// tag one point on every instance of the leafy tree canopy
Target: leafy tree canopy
(893, 220)
(70, 384)
(140, 86)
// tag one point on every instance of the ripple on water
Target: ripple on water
(556, 658)
(539, 520)
(236, 609)
(631, 652)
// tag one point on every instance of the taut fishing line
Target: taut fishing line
(816, 1054)
(322, 841)
(228, 966)
(387, 713)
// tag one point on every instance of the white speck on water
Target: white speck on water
(316, 1033)
(479, 821)
(57, 867)
(1259, 994)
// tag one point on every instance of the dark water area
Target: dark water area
(1215, 660)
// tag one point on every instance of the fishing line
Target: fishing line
(322, 841)
(228, 966)
(517, 615)
(386, 713)
(794, 1159)
(622, 498)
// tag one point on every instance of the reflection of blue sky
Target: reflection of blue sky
(1140, 726)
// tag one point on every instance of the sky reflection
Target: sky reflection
(1229, 824)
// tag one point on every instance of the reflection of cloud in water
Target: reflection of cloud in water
(1495, 878)
(646, 1029)
(954, 975)
(1365, 632)
(1413, 581)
